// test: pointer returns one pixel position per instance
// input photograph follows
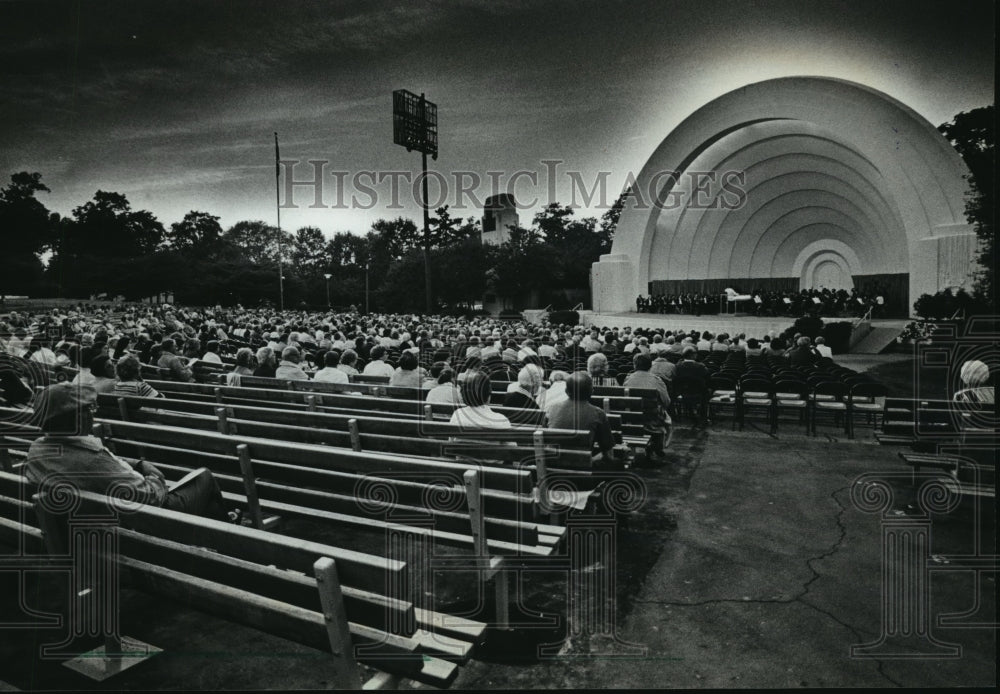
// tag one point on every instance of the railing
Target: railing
(577, 307)
(866, 317)
(857, 333)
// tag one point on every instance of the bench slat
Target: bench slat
(286, 621)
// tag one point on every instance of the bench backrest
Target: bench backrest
(368, 423)
(518, 481)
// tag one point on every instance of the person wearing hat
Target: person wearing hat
(67, 452)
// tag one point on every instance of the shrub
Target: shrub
(838, 336)
(564, 317)
(810, 326)
(946, 304)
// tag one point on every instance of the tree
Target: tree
(394, 238)
(554, 224)
(198, 234)
(108, 227)
(346, 248)
(522, 264)
(389, 241)
(259, 242)
(973, 134)
(309, 256)
(25, 223)
(26, 228)
(609, 220)
(460, 271)
(577, 244)
(446, 230)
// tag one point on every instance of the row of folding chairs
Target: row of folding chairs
(811, 399)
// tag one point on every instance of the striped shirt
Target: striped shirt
(140, 388)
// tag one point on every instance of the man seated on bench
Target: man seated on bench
(576, 412)
(68, 452)
(655, 417)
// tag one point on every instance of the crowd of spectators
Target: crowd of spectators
(409, 350)
(549, 371)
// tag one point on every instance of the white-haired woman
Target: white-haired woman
(597, 367)
(529, 384)
(978, 389)
(555, 393)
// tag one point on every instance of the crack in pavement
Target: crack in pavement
(806, 587)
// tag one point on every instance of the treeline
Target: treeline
(106, 247)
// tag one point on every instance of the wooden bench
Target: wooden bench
(497, 524)
(624, 424)
(971, 469)
(365, 507)
(906, 421)
(318, 595)
(543, 448)
(611, 403)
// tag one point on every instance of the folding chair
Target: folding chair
(690, 396)
(791, 394)
(867, 398)
(723, 396)
(828, 396)
(755, 393)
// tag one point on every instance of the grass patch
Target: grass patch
(902, 380)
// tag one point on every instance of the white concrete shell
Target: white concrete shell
(833, 172)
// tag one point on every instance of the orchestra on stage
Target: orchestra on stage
(820, 302)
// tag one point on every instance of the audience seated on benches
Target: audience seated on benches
(523, 397)
(244, 366)
(289, 369)
(444, 389)
(477, 413)
(67, 451)
(654, 411)
(169, 360)
(576, 412)
(267, 363)
(129, 372)
(407, 373)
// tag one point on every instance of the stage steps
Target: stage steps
(876, 341)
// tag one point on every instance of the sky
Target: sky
(175, 102)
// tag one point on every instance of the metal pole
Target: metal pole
(427, 221)
(277, 197)
(366, 288)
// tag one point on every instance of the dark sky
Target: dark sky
(174, 102)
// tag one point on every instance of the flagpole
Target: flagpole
(277, 201)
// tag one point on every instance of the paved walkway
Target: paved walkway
(765, 575)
